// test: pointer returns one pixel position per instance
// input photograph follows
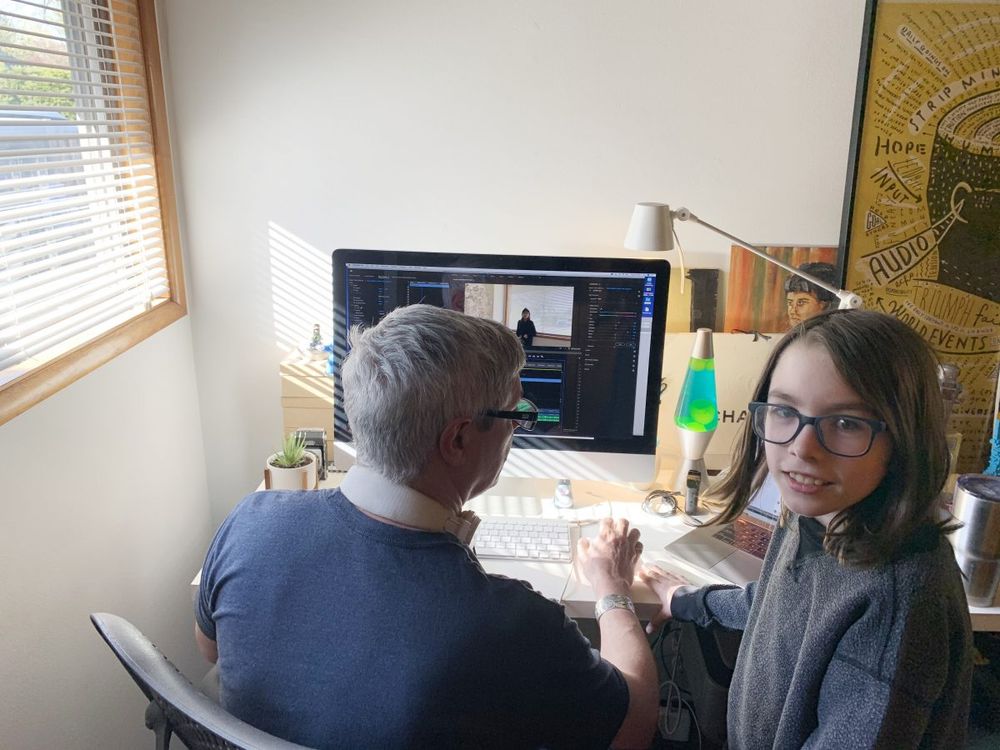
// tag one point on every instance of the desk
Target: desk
(596, 500)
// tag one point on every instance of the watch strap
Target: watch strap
(612, 601)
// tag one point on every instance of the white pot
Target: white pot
(300, 478)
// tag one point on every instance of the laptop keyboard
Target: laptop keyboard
(745, 536)
(524, 539)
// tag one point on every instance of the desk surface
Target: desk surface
(593, 501)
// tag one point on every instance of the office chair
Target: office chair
(176, 707)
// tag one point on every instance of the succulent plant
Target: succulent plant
(292, 453)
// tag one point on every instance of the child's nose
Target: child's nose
(806, 444)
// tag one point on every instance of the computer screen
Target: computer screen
(594, 348)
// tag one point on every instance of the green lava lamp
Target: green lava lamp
(697, 413)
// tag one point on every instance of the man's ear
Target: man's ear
(453, 442)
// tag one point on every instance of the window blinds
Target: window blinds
(81, 239)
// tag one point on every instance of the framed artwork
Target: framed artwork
(759, 296)
(921, 221)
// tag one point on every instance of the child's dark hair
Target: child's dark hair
(893, 369)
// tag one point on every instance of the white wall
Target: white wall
(509, 127)
(103, 507)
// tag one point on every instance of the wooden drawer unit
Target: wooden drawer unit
(306, 395)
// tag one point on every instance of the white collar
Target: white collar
(372, 492)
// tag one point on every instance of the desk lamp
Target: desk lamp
(652, 229)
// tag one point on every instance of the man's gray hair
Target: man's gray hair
(419, 368)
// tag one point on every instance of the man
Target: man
(357, 618)
(803, 299)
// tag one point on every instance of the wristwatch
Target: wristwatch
(612, 601)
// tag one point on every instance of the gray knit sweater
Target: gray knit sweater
(840, 657)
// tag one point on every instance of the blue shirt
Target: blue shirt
(337, 630)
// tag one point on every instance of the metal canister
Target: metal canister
(977, 543)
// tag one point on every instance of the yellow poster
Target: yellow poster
(923, 232)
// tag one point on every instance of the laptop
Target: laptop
(734, 551)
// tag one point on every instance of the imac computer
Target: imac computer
(594, 350)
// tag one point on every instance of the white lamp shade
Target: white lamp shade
(650, 228)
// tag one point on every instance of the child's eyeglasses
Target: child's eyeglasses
(525, 414)
(840, 434)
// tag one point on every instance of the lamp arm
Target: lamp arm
(847, 299)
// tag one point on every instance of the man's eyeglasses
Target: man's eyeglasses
(840, 434)
(525, 414)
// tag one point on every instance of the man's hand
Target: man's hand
(664, 584)
(609, 559)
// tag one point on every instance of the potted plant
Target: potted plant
(293, 467)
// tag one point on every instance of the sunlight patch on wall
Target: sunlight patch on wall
(301, 289)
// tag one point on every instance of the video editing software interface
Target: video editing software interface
(589, 346)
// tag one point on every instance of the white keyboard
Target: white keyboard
(525, 539)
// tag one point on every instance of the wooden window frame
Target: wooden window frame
(20, 394)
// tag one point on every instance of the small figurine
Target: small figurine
(317, 341)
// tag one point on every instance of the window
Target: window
(89, 255)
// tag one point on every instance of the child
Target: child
(857, 633)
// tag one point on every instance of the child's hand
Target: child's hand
(664, 584)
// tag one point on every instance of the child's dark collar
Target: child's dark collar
(925, 538)
(811, 534)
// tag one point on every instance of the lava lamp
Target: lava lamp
(697, 413)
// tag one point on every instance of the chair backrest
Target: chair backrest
(176, 706)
